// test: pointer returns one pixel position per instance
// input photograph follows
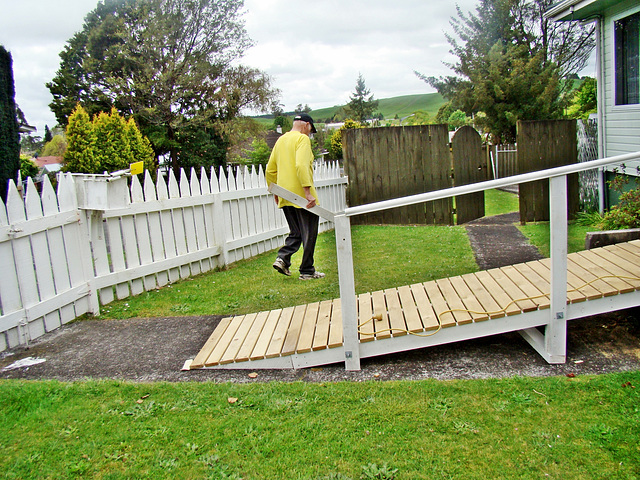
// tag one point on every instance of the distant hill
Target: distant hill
(389, 107)
(395, 106)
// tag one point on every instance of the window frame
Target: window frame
(615, 82)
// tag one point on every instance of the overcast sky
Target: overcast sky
(313, 50)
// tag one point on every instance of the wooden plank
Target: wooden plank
(470, 301)
(244, 353)
(260, 349)
(381, 318)
(396, 317)
(511, 289)
(411, 314)
(440, 306)
(505, 302)
(575, 283)
(305, 342)
(541, 270)
(606, 270)
(293, 333)
(335, 331)
(428, 316)
(280, 333)
(217, 354)
(628, 255)
(321, 335)
(236, 342)
(366, 321)
(619, 266)
(588, 277)
(537, 296)
(458, 308)
(210, 344)
(489, 305)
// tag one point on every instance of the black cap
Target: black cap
(303, 117)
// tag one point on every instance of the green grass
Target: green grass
(383, 257)
(524, 428)
(538, 234)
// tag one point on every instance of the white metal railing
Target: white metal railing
(553, 345)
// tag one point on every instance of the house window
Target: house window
(627, 45)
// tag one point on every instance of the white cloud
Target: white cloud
(313, 50)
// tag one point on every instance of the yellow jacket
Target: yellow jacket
(291, 165)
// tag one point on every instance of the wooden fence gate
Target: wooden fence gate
(392, 162)
(542, 145)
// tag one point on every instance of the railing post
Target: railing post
(556, 330)
(347, 292)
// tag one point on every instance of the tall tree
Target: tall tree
(171, 63)
(510, 64)
(9, 133)
(361, 104)
(79, 156)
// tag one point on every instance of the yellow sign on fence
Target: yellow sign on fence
(137, 168)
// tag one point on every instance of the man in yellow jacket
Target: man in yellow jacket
(291, 166)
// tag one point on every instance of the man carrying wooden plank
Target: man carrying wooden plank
(291, 167)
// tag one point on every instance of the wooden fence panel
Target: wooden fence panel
(469, 166)
(542, 145)
(386, 163)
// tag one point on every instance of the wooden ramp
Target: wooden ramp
(512, 298)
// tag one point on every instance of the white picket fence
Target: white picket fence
(62, 256)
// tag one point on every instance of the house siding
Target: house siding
(622, 134)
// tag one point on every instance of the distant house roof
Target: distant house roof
(26, 129)
(52, 168)
(42, 161)
(271, 138)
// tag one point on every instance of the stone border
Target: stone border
(610, 237)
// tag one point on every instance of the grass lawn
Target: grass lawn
(526, 428)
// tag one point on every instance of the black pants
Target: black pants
(303, 230)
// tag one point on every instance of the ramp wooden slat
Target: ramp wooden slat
(335, 331)
(440, 306)
(485, 299)
(587, 277)
(627, 256)
(454, 303)
(305, 342)
(321, 336)
(428, 316)
(505, 301)
(411, 313)
(365, 318)
(543, 273)
(277, 341)
(240, 336)
(530, 290)
(212, 341)
(381, 323)
(217, 353)
(512, 290)
(610, 263)
(469, 300)
(394, 308)
(291, 340)
(244, 353)
(418, 309)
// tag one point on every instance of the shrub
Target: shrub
(626, 214)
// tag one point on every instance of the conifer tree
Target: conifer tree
(9, 135)
(140, 146)
(112, 147)
(80, 157)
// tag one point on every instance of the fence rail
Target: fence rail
(62, 256)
